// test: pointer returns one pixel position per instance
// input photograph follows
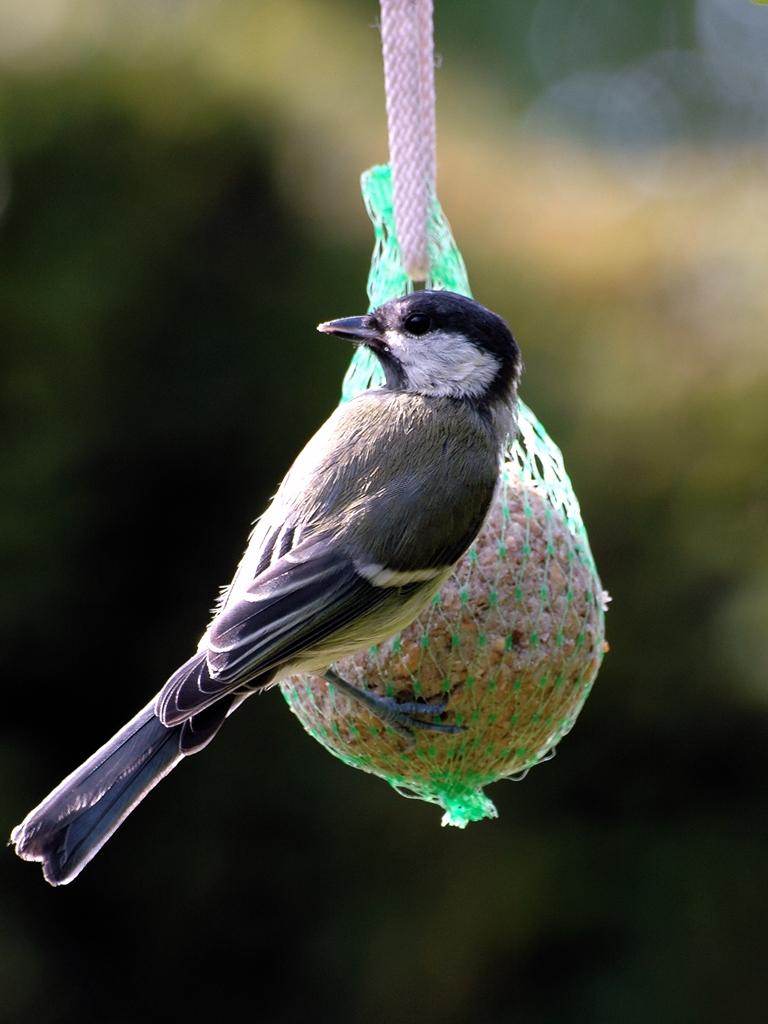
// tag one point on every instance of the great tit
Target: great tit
(365, 528)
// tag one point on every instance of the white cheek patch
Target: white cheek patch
(444, 364)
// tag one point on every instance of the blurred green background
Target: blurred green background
(180, 208)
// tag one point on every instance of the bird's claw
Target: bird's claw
(418, 708)
(401, 717)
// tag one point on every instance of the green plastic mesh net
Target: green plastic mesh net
(515, 637)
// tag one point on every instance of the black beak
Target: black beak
(354, 328)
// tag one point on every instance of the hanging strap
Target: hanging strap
(409, 82)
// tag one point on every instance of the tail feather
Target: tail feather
(198, 731)
(72, 824)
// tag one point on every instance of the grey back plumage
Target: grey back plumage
(427, 472)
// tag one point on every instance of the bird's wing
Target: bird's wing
(309, 594)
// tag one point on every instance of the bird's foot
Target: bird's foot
(401, 717)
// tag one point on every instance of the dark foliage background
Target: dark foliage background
(159, 369)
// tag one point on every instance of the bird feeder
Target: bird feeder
(515, 638)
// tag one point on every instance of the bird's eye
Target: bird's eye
(417, 323)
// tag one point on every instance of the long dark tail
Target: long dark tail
(72, 824)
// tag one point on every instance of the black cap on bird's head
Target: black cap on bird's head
(439, 343)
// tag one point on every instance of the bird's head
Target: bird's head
(440, 344)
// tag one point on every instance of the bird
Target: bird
(366, 526)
